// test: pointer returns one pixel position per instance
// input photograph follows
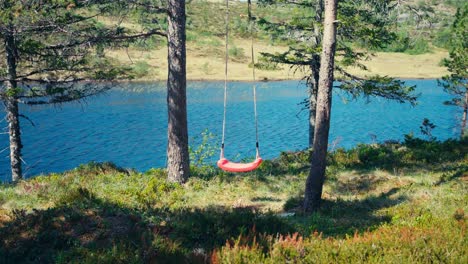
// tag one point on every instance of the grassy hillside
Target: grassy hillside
(416, 53)
(398, 203)
(205, 62)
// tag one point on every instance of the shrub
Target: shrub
(408, 43)
(161, 193)
(141, 69)
(236, 53)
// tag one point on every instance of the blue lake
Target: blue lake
(128, 125)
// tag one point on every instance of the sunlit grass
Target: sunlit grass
(411, 211)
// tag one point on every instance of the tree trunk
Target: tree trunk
(465, 113)
(313, 86)
(178, 164)
(315, 68)
(12, 113)
(315, 180)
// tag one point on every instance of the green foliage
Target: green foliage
(265, 64)
(141, 69)
(413, 152)
(407, 43)
(14, 92)
(150, 43)
(207, 18)
(205, 150)
(456, 83)
(102, 213)
(160, 192)
(380, 86)
(60, 43)
(456, 3)
(368, 24)
(442, 38)
(452, 173)
(426, 128)
(201, 155)
(236, 53)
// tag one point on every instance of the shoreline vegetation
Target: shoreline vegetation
(379, 199)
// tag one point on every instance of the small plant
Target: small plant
(141, 69)
(236, 53)
(200, 155)
(426, 129)
(158, 192)
(206, 68)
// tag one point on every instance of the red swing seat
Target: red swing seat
(224, 163)
(229, 166)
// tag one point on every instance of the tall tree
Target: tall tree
(314, 183)
(456, 83)
(171, 14)
(49, 55)
(360, 22)
(178, 162)
(367, 23)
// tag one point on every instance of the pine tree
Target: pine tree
(366, 23)
(456, 83)
(178, 163)
(314, 184)
(52, 52)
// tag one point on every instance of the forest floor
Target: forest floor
(205, 61)
(389, 203)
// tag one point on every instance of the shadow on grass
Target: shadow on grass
(265, 199)
(338, 218)
(84, 228)
(360, 183)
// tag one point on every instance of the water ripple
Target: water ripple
(128, 126)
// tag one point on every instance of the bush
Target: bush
(141, 69)
(442, 39)
(407, 43)
(236, 53)
(161, 193)
(412, 152)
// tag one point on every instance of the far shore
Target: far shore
(206, 64)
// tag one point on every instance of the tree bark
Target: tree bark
(315, 180)
(313, 86)
(465, 113)
(12, 112)
(315, 68)
(178, 164)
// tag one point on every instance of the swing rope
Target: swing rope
(225, 78)
(223, 163)
(254, 87)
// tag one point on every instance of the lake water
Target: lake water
(129, 128)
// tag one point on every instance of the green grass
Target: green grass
(394, 202)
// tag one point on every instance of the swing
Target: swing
(224, 163)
